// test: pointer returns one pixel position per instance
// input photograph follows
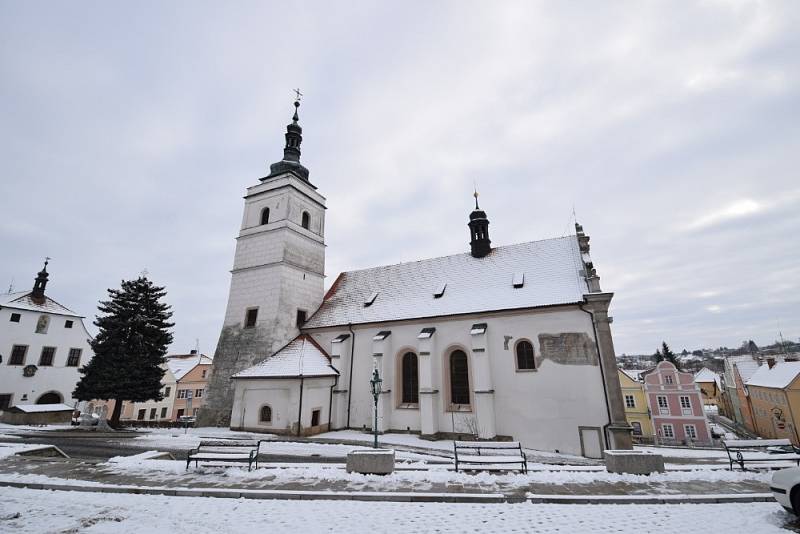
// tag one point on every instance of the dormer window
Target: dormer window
(370, 300)
(305, 220)
(440, 291)
(519, 280)
(265, 216)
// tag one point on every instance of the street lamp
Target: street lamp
(376, 391)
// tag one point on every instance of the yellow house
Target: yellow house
(636, 410)
(709, 383)
(774, 393)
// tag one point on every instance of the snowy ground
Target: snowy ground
(37, 511)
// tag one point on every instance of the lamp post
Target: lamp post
(376, 391)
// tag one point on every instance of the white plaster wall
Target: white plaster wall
(58, 377)
(283, 397)
(543, 408)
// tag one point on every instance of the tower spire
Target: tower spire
(480, 244)
(39, 285)
(291, 152)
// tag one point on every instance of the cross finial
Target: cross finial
(298, 94)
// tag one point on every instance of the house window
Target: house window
(301, 318)
(265, 216)
(140, 416)
(690, 431)
(305, 221)
(205, 372)
(668, 431)
(42, 324)
(46, 358)
(686, 405)
(74, 358)
(663, 407)
(198, 392)
(668, 379)
(630, 402)
(164, 412)
(180, 413)
(15, 317)
(18, 355)
(250, 318)
(410, 378)
(265, 415)
(153, 412)
(525, 360)
(637, 428)
(182, 393)
(68, 324)
(459, 378)
(315, 417)
(5, 401)
(167, 391)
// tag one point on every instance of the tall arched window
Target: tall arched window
(306, 220)
(410, 378)
(266, 414)
(525, 359)
(265, 216)
(459, 377)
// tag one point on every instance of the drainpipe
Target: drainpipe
(350, 385)
(602, 376)
(330, 401)
(300, 411)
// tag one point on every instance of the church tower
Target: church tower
(278, 273)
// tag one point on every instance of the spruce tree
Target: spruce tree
(668, 355)
(130, 347)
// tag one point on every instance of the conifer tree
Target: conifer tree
(130, 347)
(668, 355)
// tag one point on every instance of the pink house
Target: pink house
(676, 406)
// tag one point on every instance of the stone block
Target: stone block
(371, 462)
(633, 462)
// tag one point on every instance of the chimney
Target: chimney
(771, 362)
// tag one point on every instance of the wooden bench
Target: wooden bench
(490, 453)
(225, 451)
(743, 451)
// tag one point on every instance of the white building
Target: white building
(510, 341)
(42, 345)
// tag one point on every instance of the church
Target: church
(497, 342)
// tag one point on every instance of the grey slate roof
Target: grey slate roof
(301, 357)
(552, 269)
(21, 300)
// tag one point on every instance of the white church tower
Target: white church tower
(278, 273)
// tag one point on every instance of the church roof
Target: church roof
(301, 357)
(550, 270)
(22, 300)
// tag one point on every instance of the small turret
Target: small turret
(39, 285)
(480, 243)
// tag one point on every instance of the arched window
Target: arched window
(265, 216)
(266, 414)
(51, 397)
(525, 360)
(306, 220)
(459, 378)
(410, 378)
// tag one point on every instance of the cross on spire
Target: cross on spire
(298, 94)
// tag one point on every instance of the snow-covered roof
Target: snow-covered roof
(780, 376)
(634, 374)
(181, 365)
(552, 275)
(41, 408)
(301, 357)
(22, 300)
(707, 375)
(747, 368)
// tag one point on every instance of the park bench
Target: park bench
(493, 455)
(225, 451)
(743, 451)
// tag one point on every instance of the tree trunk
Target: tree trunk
(114, 422)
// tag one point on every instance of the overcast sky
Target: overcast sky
(129, 132)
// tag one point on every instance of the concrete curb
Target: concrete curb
(652, 499)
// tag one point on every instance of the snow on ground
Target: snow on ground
(36, 511)
(9, 449)
(24, 429)
(679, 452)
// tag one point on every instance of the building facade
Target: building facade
(42, 346)
(710, 386)
(192, 372)
(508, 341)
(676, 406)
(637, 410)
(774, 394)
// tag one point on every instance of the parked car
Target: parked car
(785, 487)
